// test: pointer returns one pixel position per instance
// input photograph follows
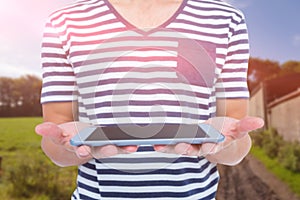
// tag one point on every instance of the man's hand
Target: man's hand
(61, 135)
(234, 131)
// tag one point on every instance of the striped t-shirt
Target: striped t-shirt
(120, 74)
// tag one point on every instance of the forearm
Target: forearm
(233, 153)
(235, 150)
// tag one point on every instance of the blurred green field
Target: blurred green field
(26, 172)
(17, 134)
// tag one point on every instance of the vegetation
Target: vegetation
(26, 173)
(20, 96)
(282, 158)
(275, 147)
(260, 70)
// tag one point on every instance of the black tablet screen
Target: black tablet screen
(157, 131)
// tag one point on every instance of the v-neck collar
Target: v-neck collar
(141, 31)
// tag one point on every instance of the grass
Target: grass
(17, 139)
(24, 161)
(292, 179)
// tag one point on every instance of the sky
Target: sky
(273, 25)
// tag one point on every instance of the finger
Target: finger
(180, 148)
(105, 151)
(208, 148)
(195, 149)
(83, 151)
(164, 148)
(248, 124)
(51, 130)
(159, 147)
(72, 128)
(129, 149)
(185, 149)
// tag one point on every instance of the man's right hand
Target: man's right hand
(60, 136)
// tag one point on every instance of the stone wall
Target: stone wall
(284, 116)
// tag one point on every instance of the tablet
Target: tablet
(154, 134)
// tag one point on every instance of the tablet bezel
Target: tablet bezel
(213, 135)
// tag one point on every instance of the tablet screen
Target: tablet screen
(159, 131)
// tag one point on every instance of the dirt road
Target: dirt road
(251, 181)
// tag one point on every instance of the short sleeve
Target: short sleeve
(58, 76)
(232, 82)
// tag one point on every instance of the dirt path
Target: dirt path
(251, 181)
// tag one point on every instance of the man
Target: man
(142, 62)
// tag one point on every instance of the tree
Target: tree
(290, 67)
(29, 89)
(20, 96)
(260, 70)
(6, 94)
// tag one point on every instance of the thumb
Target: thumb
(51, 130)
(248, 124)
